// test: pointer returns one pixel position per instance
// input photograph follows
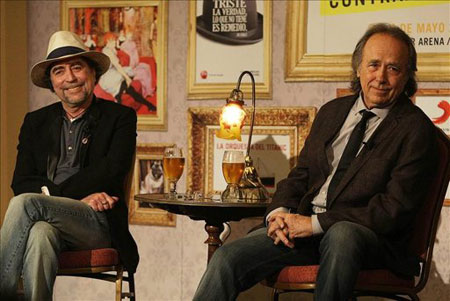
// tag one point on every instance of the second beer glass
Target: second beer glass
(173, 164)
(232, 168)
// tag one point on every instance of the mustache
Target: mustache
(71, 86)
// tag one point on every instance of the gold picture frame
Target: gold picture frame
(201, 87)
(303, 66)
(293, 123)
(148, 163)
(428, 95)
(134, 35)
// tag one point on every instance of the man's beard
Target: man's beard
(76, 101)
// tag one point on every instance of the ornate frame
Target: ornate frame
(197, 90)
(302, 66)
(146, 121)
(139, 213)
(203, 121)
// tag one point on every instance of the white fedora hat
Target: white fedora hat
(63, 45)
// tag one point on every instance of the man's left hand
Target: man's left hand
(100, 201)
(298, 225)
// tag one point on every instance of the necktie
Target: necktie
(350, 151)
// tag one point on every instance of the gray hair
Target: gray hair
(397, 33)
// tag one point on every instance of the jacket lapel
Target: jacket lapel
(330, 129)
(54, 136)
(92, 117)
(387, 126)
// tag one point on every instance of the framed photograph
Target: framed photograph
(225, 39)
(436, 105)
(149, 178)
(278, 136)
(321, 36)
(133, 34)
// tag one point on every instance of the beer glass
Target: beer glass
(173, 164)
(232, 168)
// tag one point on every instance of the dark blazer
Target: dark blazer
(385, 184)
(106, 158)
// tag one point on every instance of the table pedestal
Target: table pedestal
(213, 241)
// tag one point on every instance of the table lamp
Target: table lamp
(231, 122)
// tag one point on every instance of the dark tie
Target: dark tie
(350, 151)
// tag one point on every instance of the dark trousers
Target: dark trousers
(341, 252)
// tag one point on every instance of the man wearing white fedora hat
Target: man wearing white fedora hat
(72, 160)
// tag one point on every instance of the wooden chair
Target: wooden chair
(382, 282)
(96, 264)
(99, 263)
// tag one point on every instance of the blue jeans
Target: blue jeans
(35, 230)
(342, 251)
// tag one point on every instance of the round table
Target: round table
(213, 212)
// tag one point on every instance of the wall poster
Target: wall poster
(436, 104)
(321, 35)
(133, 34)
(225, 39)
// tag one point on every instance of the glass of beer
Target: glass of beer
(232, 168)
(173, 164)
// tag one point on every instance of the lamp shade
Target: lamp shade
(231, 121)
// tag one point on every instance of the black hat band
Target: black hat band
(62, 51)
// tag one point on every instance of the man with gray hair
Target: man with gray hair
(73, 157)
(359, 181)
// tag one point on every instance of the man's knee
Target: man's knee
(22, 201)
(346, 238)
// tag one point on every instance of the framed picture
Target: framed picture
(149, 178)
(436, 105)
(321, 36)
(133, 34)
(225, 39)
(278, 136)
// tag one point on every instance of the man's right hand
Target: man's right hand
(100, 201)
(278, 230)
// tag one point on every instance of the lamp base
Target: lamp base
(251, 190)
(231, 194)
(254, 194)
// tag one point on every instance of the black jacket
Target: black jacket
(106, 157)
(385, 184)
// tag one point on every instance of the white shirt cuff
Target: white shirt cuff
(316, 228)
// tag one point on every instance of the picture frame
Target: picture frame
(211, 78)
(428, 100)
(309, 58)
(148, 178)
(134, 36)
(288, 125)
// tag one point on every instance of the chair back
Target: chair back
(427, 219)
